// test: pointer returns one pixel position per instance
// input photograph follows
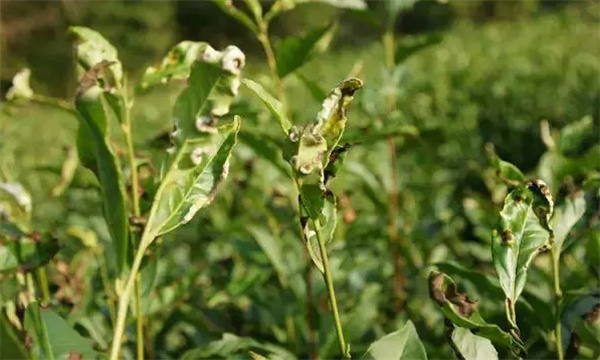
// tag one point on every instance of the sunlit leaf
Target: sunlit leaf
(521, 233)
(469, 346)
(575, 136)
(274, 105)
(53, 338)
(566, 215)
(403, 344)
(505, 170)
(15, 206)
(294, 52)
(20, 88)
(92, 48)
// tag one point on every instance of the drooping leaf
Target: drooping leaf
(96, 153)
(274, 105)
(230, 345)
(485, 285)
(462, 312)
(26, 252)
(522, 232)
(20, 88)
(322, 210)
(92, 48)
(469, 346)
(294, 52)
(67, 172)
(193, 179)
(176, 65)
(403, 344)
(407, 49)
(15, 206)
(566, 215)
(53, 338)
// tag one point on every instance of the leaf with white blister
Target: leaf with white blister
(92, 48)
(294, 52)
(403, 344)
(15, 205)
(274, 105)
(20, 88)
(189, 186)
(96, 153)
(522, 232)
(469, 346)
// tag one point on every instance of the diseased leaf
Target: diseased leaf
(192, 181)
(566, 215)
(403, 344)
(407, 49)
(462, 312)
(15, 206)
(274, 105)
(294, 52)
(93, 48)
(53, 338)
(176, 65)
(97, 154)
(20, 88)
(521, 233)
(26, 252)
(469, 346)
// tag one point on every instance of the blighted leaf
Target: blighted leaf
(15, 206)
(20, 88)
(504, 170)
(192, 181)
(26, 252)
(462, 311)
(274, 105)
(96, 153)
(403, 344)
(522, 232)
(93, 48)
(66, 173)
(566, 215)
(294, 52)
(175, 66)
(336, 161)
(469, 346)
(53, 338)
(407, 49)
(322, 213)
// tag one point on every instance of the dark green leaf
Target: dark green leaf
(297, 51)
(97, 154)
(315, 90)
(469, 346)
(403, 344)
(274, 105)
(12, 346)
(266, 149)
(26, 252)
(462, 312)
(505, 170)
(53, 338)
(581, 312)
(521, 233)
(231, 345)
(273, 248)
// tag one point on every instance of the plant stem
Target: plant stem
(394, 240)
(126, 294)
(140, 319)
(330, 289)
(558, 300)
(110, 295)
(43, 280)
(263, 38)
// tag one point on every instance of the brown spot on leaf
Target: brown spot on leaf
(507, 237)
(73, 355)
(466, 306)
(592, 316)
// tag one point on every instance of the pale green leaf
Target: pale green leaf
(67, 172)
(566, 215)
(20, 88)
(15, 205)
(472, 347)
(274, 105)
(403, 344)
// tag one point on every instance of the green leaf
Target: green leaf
(522, 232)
(12, 345)
(294, 52)
(53, 338)
(15, 206)
(230, 345)
(462, 312)
(66, 173)
(176, 65)
(189, 186)
(505, 170)
(566, 215)
(322, 210)
(583, 307)
(469, 346)
(20, 88)
(485, 285)
(228, 7)
(273, 248)
(403, 344)
(26, 252)
(407, 49)
(92, 48)
(274, 105)
(97, 154)
(315, 90)
(575, 136)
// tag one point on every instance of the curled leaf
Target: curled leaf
(20, 88)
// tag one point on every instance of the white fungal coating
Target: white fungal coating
(306, 169)
(18, 193)
(197, 155)
(210, 54)
(190, 213)
(233, 59)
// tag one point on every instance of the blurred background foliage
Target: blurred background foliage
(501, 67)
